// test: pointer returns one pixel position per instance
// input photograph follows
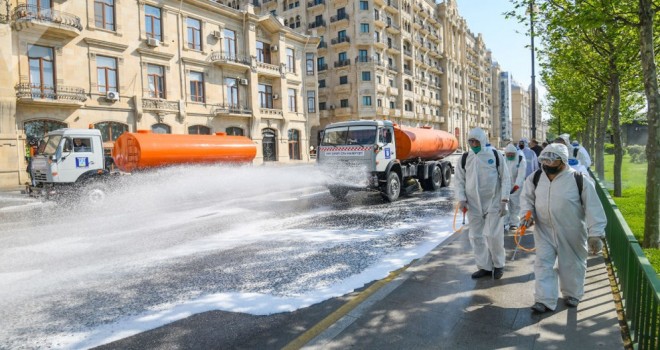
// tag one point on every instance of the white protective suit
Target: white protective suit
(483, 186)
(517, 171)
(577, 163)
(530, 157)
(562, 226)
(583, 152)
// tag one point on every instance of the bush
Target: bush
(609, 148)
(637, 153)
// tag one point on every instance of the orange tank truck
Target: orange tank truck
(424, 143)
(144, 149)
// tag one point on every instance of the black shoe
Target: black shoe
(540, 308)
(499, 272)
(571, 302)
(481, 273)
(513, 227)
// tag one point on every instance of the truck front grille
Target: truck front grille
(39, 176)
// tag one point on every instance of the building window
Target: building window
(290, 61)
(106, 73)
(408, 106)
(342, 56)
(104, 14)
(110, 131)
(322, 106)
(366, 100)
(234, 131)
(194, 34)
(196, 86)
(392, 105)
(232, 92)
(263, 52)
(230, 43)
(199, 130)
(294, 144)
(152, 21)
(379, 102)
(161, 129)
(156, 81)
(364, 5)
(292, 100)
(311, 101)
(364, 27)
(310, 64)
(42, 71)
(343, 80)
(343, 103)
(265, 96)
(366, 76)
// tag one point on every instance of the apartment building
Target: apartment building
(521, 117)
(170, 66)
(504, 117)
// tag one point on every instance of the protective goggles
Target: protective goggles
(548, 157)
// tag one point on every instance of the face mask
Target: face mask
(510, 157)
(476, 149)
(551, 169)
(521, 145)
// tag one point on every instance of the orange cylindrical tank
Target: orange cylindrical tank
(424, 143)
(145, 149)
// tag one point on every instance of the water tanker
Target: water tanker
(381, 156)
(145, 149)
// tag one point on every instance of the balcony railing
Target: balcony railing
(336, 18)
(315, 3)
(316, 24)
(323, 67)
(323, 45)
(343, 39)
(220, 57)
(342, 63)
(49, 92)
(32, 12)
(393, 4)
(361, 59)
(231, 109)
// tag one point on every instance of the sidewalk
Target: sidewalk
(435, 304)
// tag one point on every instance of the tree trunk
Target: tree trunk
(599, 146)
(602, 133)
(616, 130)
(652, 215)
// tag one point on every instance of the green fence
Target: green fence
(637, 280)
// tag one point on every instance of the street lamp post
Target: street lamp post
(531, 20)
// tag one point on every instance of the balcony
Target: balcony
(59, 95)
(381, 88)
(343, 41)
(392, 6)
(407, 52)
(322, 45)
(342, 89)
(269, 3)
(232, 110)
(339, 18)
(393, 48)
(343, 111)
(268, 69)
(382, 111)
(409, 114)
(392, 68)
(323, 67)
(379, 2)
(316, 24)
(407, 71)
(379, 21)
(393, 91)
(316, 5)
(42, 21)
(393, 28)
(342, 63)
(395, 112)
(380, 43)
(363, 60)
(230, 60)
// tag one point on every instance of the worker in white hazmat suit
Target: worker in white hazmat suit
(517, 165)
(568, 223)
(577, 163)
(482, 187)
(583, 151)
(530, 156)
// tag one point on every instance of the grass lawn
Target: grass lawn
(631, 203)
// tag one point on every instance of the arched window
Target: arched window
(161, 128)
(408, 106)
(294, 144)
(36, 129)
(269, 145)
(234, 130)
(199, 130)
(110, 131)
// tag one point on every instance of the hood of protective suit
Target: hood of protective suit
(555, 150)
(479, 135)
(566, 138)
(525, 141)
(510, 148)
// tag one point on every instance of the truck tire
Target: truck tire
(338, 192)
(94, 194)
(392, 188)
(446, 175)
(434, 182)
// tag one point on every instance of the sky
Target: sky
(505, 38)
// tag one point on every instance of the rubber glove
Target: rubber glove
(514, 189)
(504, 209)
(526, 222)
(462, 206)
(595, 244)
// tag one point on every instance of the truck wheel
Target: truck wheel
(392, 187)
(446, 175)
(338, 192)
(434, 182)
(94, 194)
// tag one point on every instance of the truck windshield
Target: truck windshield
(48, 145)
(354, 135)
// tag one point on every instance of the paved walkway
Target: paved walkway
(435, 304)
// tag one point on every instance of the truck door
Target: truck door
(79, 155)
(387, 147)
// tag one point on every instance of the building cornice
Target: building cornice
(155, 54)
(106, 44)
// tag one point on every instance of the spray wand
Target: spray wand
(517, 236)
(464, 210)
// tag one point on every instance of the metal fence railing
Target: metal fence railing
(637, 280)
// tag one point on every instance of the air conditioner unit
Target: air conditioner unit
(332, 107)
(217, 34)
(276, 96)
(112, 96)
(243, 81)
(153, 42)
(274, 48)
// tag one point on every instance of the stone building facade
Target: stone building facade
(184, 67)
